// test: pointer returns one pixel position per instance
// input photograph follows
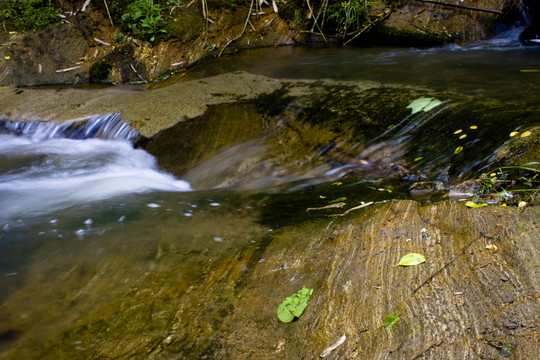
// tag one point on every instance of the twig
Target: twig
(108, 13)
(354, 208)
(315, 22)
(462, 7)
(139, 75)
(243, 30)
(68, 69)
(371, 23)
(101, 42)
(85, 5)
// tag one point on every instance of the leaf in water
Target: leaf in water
(474, 205)
(529, 70)
(525, 134)
(339, 199)
(423, 104)
(411, 260)
(418, 158)
(513, 133)
(458, 131)
(474, 127)
(337, 183)
(7, 57)
(432, 105)
(463, 136)
(391, 320)
(294, 305)
(322, 196)
(458, 150)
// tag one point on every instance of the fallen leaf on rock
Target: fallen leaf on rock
(293, 306)
(411, 259)
(474, 205)
(424, 104)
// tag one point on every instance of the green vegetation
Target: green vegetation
(511, 183)
(29, 15)
(144, 19)
(391, 320)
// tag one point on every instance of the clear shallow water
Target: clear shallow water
(488, 69)
(84, 219)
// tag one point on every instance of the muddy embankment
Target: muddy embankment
(83, 48)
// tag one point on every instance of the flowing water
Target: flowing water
(85, 215)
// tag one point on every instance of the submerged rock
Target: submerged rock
(205, 305)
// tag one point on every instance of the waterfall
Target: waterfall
(46, 167)
(109, 126)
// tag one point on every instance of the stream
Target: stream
(91, 214)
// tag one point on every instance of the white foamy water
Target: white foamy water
(38, 177)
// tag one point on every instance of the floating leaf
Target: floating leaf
(463, 136)
(391, 320)
(293, 306)
(514, 133)
(525, 134)
(458, 150)
(424, 104)
(418, 158)
(529, 70)
(473, 127)
(7, 57)
(474, 205)
(411, 260)
(337, 183)
(339, 199)
(458, 131)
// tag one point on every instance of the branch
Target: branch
(462, 7)
(243, 30)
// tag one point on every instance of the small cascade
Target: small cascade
(109, 126)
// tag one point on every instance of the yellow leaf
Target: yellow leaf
(529, 70)
(513, 133)
(474, 205)
(457, 131)
(474, 127)
(7, 57)
(525, 134)
(463, 136)
(458, 150)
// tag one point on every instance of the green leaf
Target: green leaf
(391, 320)
(411, 259)
(294, 305)
(423, 104)
(339, 199)
(474, 205)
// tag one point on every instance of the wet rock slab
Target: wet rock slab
(475, 297)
